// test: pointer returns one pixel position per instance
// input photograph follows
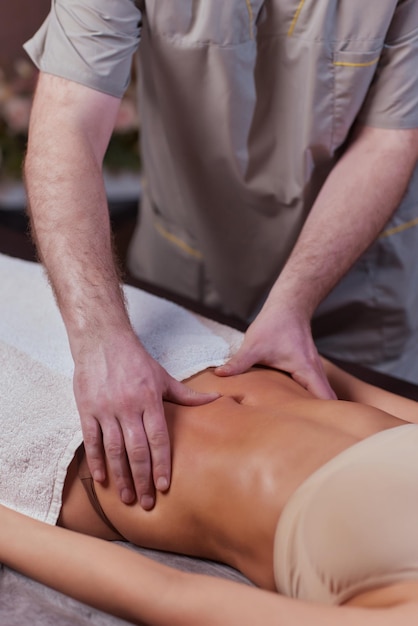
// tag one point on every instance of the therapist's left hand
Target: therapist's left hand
(281, 338)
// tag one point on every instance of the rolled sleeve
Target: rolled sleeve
(90, 42)
(392, 101)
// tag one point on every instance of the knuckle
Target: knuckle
(94, 460)
(133, 398)
(91, 438)
(139, 454)
(126, 401)
(115, 449)
(158, 439)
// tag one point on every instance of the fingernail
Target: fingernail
(126, 495)
(147, 502)
(162, 483)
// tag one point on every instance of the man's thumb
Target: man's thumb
(237, 364)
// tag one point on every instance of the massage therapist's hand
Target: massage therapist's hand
(119, 390)
(281, 338)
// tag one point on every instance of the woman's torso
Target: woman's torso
(235, 464)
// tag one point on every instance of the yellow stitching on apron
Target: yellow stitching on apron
(295, 18)
(251, 16)
(398, 229)
(348, 64)
(177, 241)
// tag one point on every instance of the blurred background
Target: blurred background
(18, 22)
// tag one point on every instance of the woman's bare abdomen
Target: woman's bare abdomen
(236, 462)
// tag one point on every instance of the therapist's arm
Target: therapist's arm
(118, 386)
(359, 196)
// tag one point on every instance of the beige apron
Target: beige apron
(245, 108)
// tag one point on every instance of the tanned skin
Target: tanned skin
(235, 465)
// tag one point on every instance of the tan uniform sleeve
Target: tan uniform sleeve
(89, 41)
(392, 101)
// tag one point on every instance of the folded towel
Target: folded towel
(39, 422)
(40, 432)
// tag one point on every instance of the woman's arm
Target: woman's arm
(348, 387)
(128, 585)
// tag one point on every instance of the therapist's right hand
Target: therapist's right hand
(119, 390)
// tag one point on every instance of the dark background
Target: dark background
(19, 19)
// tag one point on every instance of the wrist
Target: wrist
(298, 297)
(98, 325)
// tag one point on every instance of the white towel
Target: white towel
(39, 423)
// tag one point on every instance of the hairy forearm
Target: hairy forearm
(71, 227)
(359, 196)
(69, 216)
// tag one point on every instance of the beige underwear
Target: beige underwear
(353, 525)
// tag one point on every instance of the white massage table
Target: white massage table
(24, 602)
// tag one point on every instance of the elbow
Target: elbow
(400, 145)
(406, 142)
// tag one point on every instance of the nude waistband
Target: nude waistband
(352, 525)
